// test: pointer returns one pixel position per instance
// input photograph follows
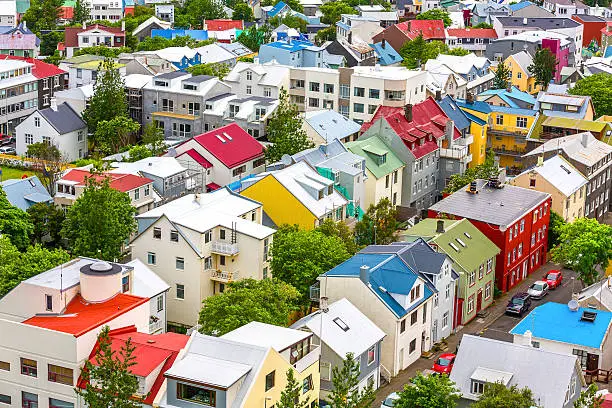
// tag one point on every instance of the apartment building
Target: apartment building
(200, 242)
(19, 92)
(263, 80)
(472, 39)
(105, 10)
(474, 70)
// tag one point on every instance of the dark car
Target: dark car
(519, 304)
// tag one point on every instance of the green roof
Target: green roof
(370, 149)
(570, 123)
(83, 58)
(478, 248)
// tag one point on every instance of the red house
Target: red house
(591, 27)
(514, 218)
(397, 34)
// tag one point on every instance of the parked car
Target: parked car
(444, 363)
(324, 404)
(6, 139)
(554, 278)
(519, 304)
(538, 290)
(7, 150)
(390, 400)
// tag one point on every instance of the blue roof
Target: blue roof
(509, 97)
(24, 193)
(343, 25)
(555, 321)
(278, 7)
(520, 6)
(457, 115)
(484, 107)
(388, 274)
(608, 52)
(386, 55)
(475, 119)
(294, 46)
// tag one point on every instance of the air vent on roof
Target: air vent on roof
(467, 234)
(221, 139)
(382, 289)
(460, 242)
(227, 136)
(341, 324)
(566, 169)
(589, 315)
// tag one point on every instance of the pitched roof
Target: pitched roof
(231, 145)
(330, 124)
(524, 60)
(118, 181)
(547, 374)
(224, 24)
(64, 119)
(18, 38)
(361, 334)
(24, 193)
(582, 147)
(454, 113)
(267, 335)
(496, 206)
(431, 29)
(509, 97)
(556, 322)
(40, 69)
(471, 32)
(387, 54)
(71, 38)
(278, 7)
(372, 148)
(561, 174)
(151, 21)
(544, 23)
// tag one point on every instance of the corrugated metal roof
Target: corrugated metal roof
(391, 163)
(561, 174)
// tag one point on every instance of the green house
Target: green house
(473, 256)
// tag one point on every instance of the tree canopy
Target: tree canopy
(497, 395)
(80, 13)
(436, 14)
(378, 224)
(195, 11)
(339, 229)
(599, 88)
(458, 51)
(483, 25)
(485, 170)
(15, 224)
(47, 219)
(248, 300)
(345, 380)
(503, 75)
(589, 398)
(555, 225)
(416, 52)
(114, 134)
(433, 391)
(254, 37)
(243, 11)
(333, 10)
(290, 395)
(50, 161)
(102, 50)
(42, 15)
(158, 43)
(218, 69)
(543, 67)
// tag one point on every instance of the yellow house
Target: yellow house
(478, 148)
(557, 177)
(521, 78)
(298, 195)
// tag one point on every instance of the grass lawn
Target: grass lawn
(13, 173)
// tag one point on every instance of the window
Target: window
(270, 377)
(147, 190)
(267, 92)
(487, 291)
(167, 105)
(29, 367)
(180, 263)
(313, 102)
(521, 122)
(239, 170)
(307, 384)
(499, 119)
(55, 403)
(412, 347)
(80, 136)
(415, 293)
(344, 91)
(207, 236)
(160, 303)
(477, 387)
(137, 194)
(180, 291)
(448, 290)
(425, 313)
(151, 258)
(29, 400)
(414, 318)
(445, 320)
(359, 92)
(4, 365)
(79, 73)
(472, 278)
(198, 395)
(174, 235)
(49, 302)
(46, 140)
(222, 260)
(371, 354)
(522, 225)
(249, 75)
(29, 139)
(5, 399)
(375, 93)
(358, 107)
(489, 265)
(372, 109)
(436, 300)
(470, 304)
(125, 283)
(60, 375)
(314, 87)
(582, 356)
(157, 233)
(328, 88)
(403, 326)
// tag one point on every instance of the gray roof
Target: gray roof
(332, 156)
(524, 60)
(330, 124)
(24, 193)
(581, 147)
(545, 373)
(171, 75)
(199, 78)
(64, 119)
(560, 174)
(497, 206)
(545, 23)
(219, 97)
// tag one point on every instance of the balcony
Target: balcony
(224, 248)
(223, 276)
(507, 131)
(155, 325)
(465, 141)
(457, 152)
(507, 152)
(309, 359)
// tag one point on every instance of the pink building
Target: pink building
(561, 53)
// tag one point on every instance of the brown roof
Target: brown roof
(71, 33)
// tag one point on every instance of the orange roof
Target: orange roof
(118, 181)
(81, 316)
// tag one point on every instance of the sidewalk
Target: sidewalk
(476, 326)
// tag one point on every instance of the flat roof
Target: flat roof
(208, 370)
(267, 335)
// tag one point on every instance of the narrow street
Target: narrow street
(495, 325)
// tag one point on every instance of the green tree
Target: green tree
(497, 395)
(502, 78)
(416, 52)
(290, 21)
(333, 10)
(485, 170)
(109, 99)
(42, 15)
(243, 11)
(199, 10)
(483, 25)
(47, 219)
(254, 37)
(81, 12)
(345, 393)
(220, 70)
(15, 223)
(248, 300)
(436, 14)
(49, 41)
(109, 381)
(114, 134)
(103, 51)
(339, 229)
(378, 224)
(589, 398)
(153, 138)
(50, 161)
(555, 224)
(459, 52)
(543, 67)
(100, 221)
(585, 246)
(285, 130)
(299, 257)
(326, 34)
(290, 395)
(138, 152)
(294, 5)
(599, 88)
(433, 391)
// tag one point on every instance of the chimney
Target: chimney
(438, 95)
(364, 272)
(24, 25)
(469, 98)
(524, 20)
(84, 26)
(350, 37)
(585, 139)
(440, 226)
(408, 112)
(53, 105)
(383, 43)
(528, 335)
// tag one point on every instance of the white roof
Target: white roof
(267, 335)
(330, 124)
(362, 333)
(176, 85)
(582, 147)
(209, 370)
(173, 54)
(462, 64)
(7, 65)
(273, 73)
(82, 92)
(214, 53)
(146, 282)
(537, 36)
(561, 174)
(149, 21)
(136, 81)
(488, 375)
(396, 73)
(162, 167)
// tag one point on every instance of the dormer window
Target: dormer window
(190, 87)
(477, 387)
(382, 159)
(161, 83)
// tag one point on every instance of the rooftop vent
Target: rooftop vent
(220, 138)
(467, 234)
(473, 189)
(588, 315)
(228, 137)
(566, 169)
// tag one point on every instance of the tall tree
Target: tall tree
(483, 25)
(345, 393)
(100, 221)
(378, 224)
(599, 88)
(50, 161)
(248, 300)
(502, 76)
(15, 223)
(290, 396)
(543, 67)
(47, 220)
(458, 51)
(220, 70)
(81, 12)
(433, 391)
(416, 52)
(555, 226)
(333, 10)
(299, 257)
(153, 138)
(285, 130)
(243, 11)
(109, 382)
(42, 15)
(112, 135)
(589, 398)
(326, 34)
(49, 41)
(436, 14)
(585, 246)
(254, 37)
(109, 99)
(199, 10)
(497, 395)
(339, 229)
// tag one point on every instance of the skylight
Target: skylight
(453, 246)
(467, 234)
(460, 242)
(341, 324)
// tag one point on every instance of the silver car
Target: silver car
(538, 290)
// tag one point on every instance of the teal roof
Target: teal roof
(386, 55)
(373, 148)
(510, 96)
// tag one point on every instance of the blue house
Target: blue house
(513, 98)
(385, 54)
(24, 193)
(294, 53)
(172, 33)
(280, 9)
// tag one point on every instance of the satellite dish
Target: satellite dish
(573, 305)
(286, 160)
(171, 152)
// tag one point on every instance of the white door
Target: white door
(401, 360)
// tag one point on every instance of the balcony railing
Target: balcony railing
(223, 276)
(507, 131)
(224, 248)
(457, 152)
(155, 326)
(309, 359)
(508, 152)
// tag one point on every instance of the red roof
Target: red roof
(607, 402)
(201, 160)
(71, 34)
(223, 24)
(41, 69)
(231, 145)
(605, 31)
(118, 181)
(80, 317)
(421, 134)
(150, 351)
(472, 32)
(66, 12)
(431, 29)
(212, 187)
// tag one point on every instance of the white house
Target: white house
(258, 79)
(59, 125)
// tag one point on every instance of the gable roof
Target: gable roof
(560, 174)
(452, 110)
(372, 147)
(118, 181)
(330, 124)
(431, 29)
(151, 21)
(24, 193)
(361, 334)
(71, 34)
(582, 147)
(40, 69)
(509, 97)
(64, 119)
(278, 7)
(223, 24)
(18, 38)
(523, 60)
(386, 54)
(267, 335)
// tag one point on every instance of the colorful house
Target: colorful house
(473, 256)
(397, 34)
(511, 97)
(521, 78)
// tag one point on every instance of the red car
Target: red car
(444, 363)
(554, 278)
